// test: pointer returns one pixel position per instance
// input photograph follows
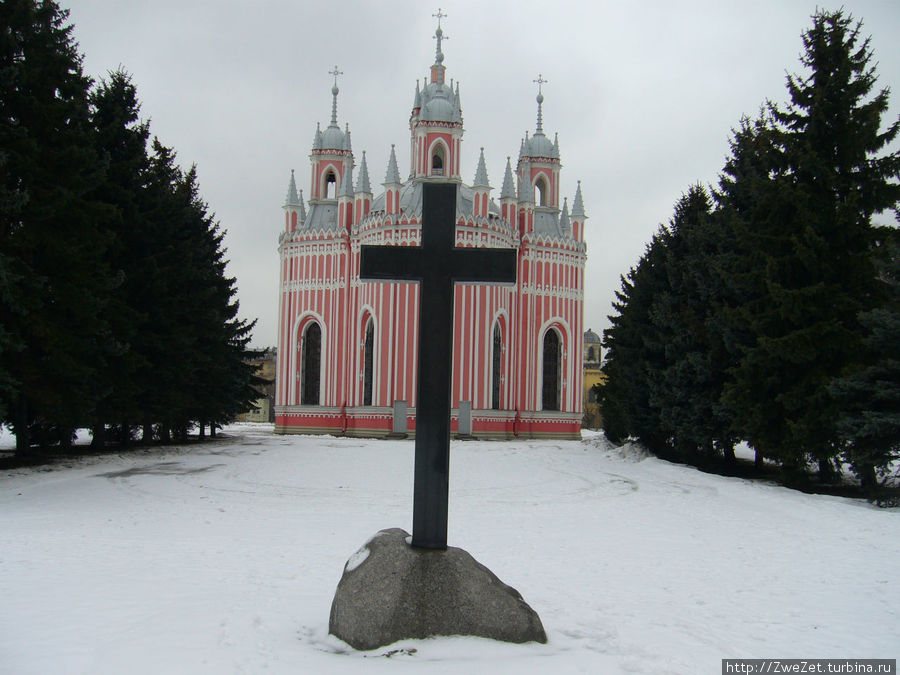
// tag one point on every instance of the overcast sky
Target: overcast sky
(642, 94)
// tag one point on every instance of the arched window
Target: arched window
(330, 185)
(437, 161)
(591, 354)
(551, 393)
(495, 368)
(368, 362)
(541, 188)
(310, 364)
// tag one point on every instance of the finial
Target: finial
(578, 205)
(393, 175)
(334, 93)
(292, 199)
(508, 191)
(439, 35)
(362, 182)
(540, 100)
(565, 223)
(481, 178)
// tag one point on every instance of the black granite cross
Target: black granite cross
(437, 264)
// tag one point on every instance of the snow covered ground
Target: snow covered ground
(223, 558)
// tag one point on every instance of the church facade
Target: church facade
(347, 348)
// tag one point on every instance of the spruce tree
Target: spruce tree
(122, 143)
(754, 202)
(168, 339)
(635, 354)
(869, 423)
(803, 267)
(194, 345)
(221, 379)
(689, 388)
(54, 276)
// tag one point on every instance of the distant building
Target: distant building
(264, 408)
(593, 361)
(347, 349)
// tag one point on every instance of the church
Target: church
(347, 348)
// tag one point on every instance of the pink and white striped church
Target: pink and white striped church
(347, 349)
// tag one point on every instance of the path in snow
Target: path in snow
(223, 558)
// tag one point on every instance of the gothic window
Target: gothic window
(368, 362)
(551, 392)
(437, 161)
(495, 368)
(541, 188)
(330, 185)
(310, 364)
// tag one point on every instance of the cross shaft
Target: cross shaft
(437, 264)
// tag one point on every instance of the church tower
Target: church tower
(331, 156)
(436, 123)
(347, 349)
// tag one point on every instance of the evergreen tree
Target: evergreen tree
(689, 388)
(221, 376)
(635, 353)
(666, 362)
(803, 268)
(194, 345)
(122, 142)
(167, 339)
(869, 423)
(754, 202)
(54, 277)
(116, 307)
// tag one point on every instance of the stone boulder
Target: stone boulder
(391, 591)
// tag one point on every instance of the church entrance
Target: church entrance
(551, 390)
(368, 363)
(311, 364)
(495, 369)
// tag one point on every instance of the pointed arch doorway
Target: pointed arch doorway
(310, 364)
(552, 371)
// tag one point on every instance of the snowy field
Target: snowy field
(223, 558)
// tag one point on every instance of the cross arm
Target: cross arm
(387, 263)
(484, 265)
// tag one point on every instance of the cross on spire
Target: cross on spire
(540, 100)
(334, 93)
(439, 35)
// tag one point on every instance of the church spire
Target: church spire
(438, 36)
(302, 208)
(292, 199)
(526, 192)
(539, 145)
(508, 191)
(393, 174)
(437, 70)
(578, 205)
(334, 95)
(565, 225)
(347, 181)
(540, 101)
(332, 138)
(362, 183)
(481, 177)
